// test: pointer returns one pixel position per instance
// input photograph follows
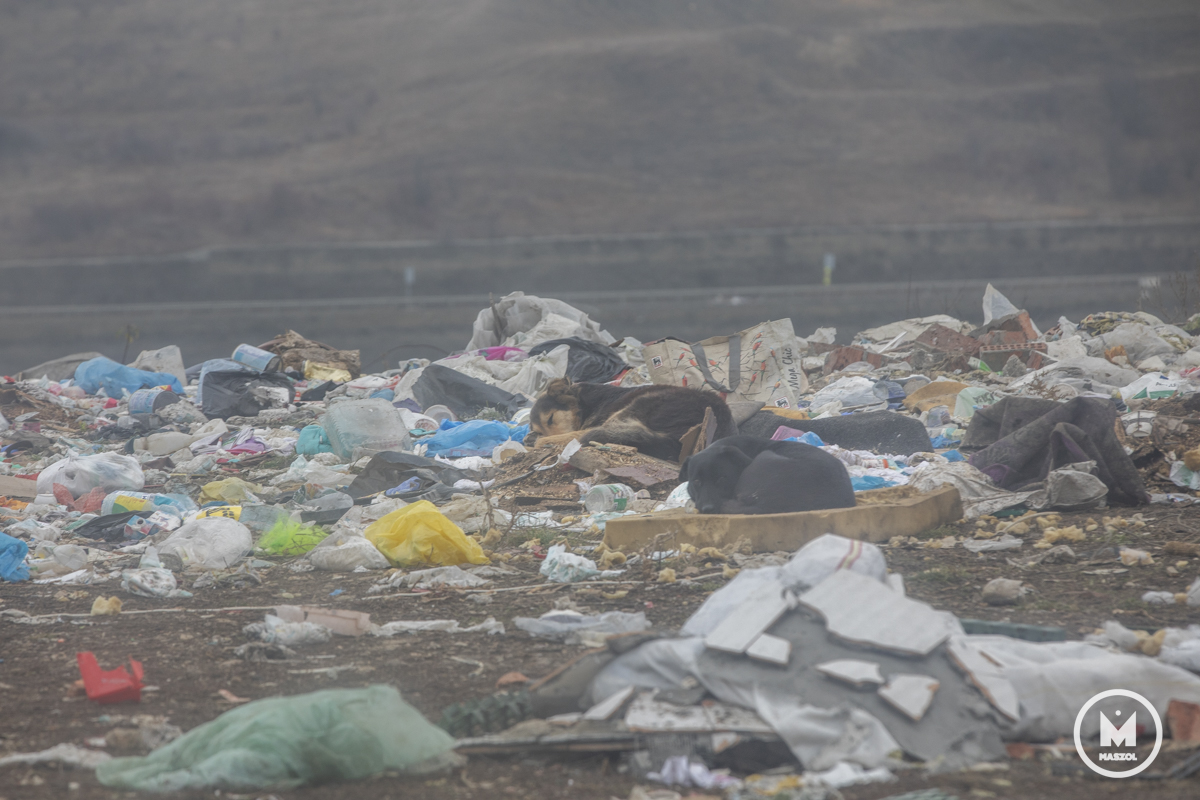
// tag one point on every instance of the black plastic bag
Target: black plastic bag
(587, 362)
(388, 470)
(232, 394)
(462, 394)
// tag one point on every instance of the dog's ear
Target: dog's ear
(558, 387)
(683, 469)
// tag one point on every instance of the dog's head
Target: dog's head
(555, 412)
(712, 476)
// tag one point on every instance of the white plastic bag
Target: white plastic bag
(825, 555)
(346, 553)
(526, 321)
(80, 474)
(1152, 386)
(996, 305)
(1140, 342)
(855, 391)
(208, 543)
(307, 471)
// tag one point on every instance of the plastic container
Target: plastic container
(150, 401)
(251, 356)
(608, 497)
(440, 413)
(371, 425)
(163, 444)
(1139, 424)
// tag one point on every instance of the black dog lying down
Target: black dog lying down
(748, 475)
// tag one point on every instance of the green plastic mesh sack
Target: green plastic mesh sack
(289, 538)
(282, 742)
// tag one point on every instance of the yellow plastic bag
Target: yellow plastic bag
(229, 490)
(420, 534)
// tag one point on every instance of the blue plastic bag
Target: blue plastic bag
(808, 437)
(97, 373)
(313, 440)
(480, 436)
(865, 482)
(12, 559)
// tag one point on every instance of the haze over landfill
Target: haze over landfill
(603, 400)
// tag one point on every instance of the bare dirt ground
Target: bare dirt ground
(187, 652)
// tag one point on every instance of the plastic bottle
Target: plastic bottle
(608, 497)
(365, 425)
(162, 444)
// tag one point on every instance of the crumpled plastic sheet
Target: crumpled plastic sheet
(329, 736)
(678, 771)
(274, 630)
(489, 626)
(568, 625)
(563, 567)
(67, 754)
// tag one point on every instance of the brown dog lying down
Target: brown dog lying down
(650, 418)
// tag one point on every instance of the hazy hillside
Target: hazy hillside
(159, 125)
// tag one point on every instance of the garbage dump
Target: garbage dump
(763, 564)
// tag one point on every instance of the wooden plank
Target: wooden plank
(766, 533)
(862, 610)
(645, 475)
(17, 488)
(687, 443)
(749, 620)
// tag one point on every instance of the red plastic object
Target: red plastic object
(110, 686)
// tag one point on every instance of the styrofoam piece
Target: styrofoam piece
(341, 622)
(859, 609)
(910, 694)
(852, 671)
(750, 619)
(771, 649)
(982, 671)
(606, 708)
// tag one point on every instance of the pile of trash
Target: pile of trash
(826, 655)
(161, 479)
